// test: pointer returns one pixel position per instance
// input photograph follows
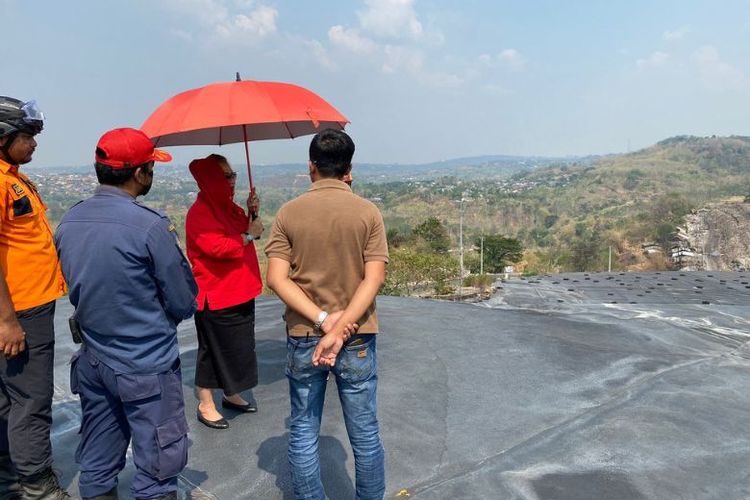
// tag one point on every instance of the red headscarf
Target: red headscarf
(216, 192)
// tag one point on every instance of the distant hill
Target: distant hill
(567, 211)
(700, 169)
(570, 213)
(469, 167)
(89, 169)
(642, 197)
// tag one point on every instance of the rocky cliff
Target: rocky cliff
(715, 238)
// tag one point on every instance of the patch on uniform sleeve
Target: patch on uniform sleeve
(22, 206)
(362, 353)
(173, 229)
(17, 189)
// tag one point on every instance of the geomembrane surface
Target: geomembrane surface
(571, 386)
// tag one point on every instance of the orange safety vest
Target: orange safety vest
(28, 259)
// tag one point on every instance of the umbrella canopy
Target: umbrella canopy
(230, 112)
(240, 111)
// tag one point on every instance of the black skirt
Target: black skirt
(226, 348)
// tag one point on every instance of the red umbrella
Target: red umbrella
(240, 111)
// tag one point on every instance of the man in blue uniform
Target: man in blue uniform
(131, 286)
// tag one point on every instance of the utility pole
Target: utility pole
(461, 237)
(481, 240)
(481, 255)
(461, 250)
(461, 244)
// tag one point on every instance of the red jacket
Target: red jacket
(227, 272)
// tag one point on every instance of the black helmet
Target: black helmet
(19, 116)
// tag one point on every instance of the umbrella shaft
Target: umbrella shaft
(247, 157)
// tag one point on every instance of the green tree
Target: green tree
(665, 235)
(471, 261)
(481, 281)
(633, 179)
(587, 248)
(671, 207)
(550, 220)
(395, 237)
(410, 270)
(500, 251)
(434, 233)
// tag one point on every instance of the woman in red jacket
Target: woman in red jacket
(220, 247)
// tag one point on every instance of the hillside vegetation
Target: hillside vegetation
(539, 214)
(569, 215)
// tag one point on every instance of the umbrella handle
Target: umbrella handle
(253, 214)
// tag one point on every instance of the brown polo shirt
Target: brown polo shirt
(327, 234)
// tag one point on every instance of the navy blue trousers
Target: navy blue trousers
(148, 410)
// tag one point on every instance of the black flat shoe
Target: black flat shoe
(213, 424)
(250, 407)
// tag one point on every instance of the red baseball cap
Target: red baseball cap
(127, 148)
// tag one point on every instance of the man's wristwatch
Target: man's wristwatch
(248, 237)
(321, 319)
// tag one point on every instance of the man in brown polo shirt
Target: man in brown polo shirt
(334, 244)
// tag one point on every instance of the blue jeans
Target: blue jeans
(357, 380)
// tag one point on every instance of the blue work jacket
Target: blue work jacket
(128, 280)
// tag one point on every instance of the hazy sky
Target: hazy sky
(420, 80)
